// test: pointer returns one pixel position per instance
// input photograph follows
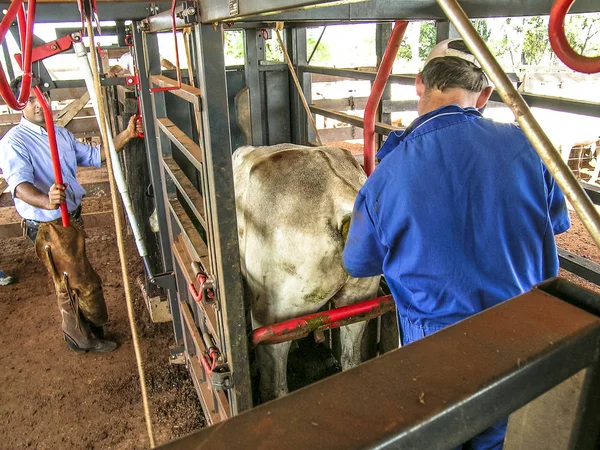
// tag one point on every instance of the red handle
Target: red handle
(560, 44)
(64, 212)
(139, 120)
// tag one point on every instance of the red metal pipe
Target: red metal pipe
(302, 326)
(26, 34)
(560, 44)
(383, 74)
(64, 212)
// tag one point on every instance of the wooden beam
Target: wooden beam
(14, 119)
(187, 92)
(90, 220)
(64, 116)
(61, 94)
(3, 185)
(86, 125)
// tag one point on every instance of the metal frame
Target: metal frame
(437, 392)
(192, 174)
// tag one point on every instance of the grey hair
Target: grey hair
(449, 72)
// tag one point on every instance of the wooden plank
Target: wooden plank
(85, 125)
(90, 220)
(62, 94)
(187, 92)
(198, 249)
(65, 115)
(380, 127)
(188, 147)
(184, 260)
(14, 119)
(3, 185)
(189, 192)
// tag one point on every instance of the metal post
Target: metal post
(382, 36)
(549, 155)
(9, 67)
(445, 30)
(296, 41)
(255, 53)
(222, 213)
(155, 156)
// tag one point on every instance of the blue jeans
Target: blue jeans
(489, 439)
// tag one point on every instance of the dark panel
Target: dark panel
(235, 82)
(278, 107)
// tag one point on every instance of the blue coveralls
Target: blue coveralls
(459, 216)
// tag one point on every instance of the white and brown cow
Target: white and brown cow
(294, 205)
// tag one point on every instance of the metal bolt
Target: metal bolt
(46, 85)
(190, 11)
(53, 47)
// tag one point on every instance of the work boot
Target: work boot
(78, 335)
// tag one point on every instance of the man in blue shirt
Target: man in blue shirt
(460, 214)
(27, 167)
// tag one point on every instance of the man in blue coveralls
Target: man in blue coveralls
(460, 214)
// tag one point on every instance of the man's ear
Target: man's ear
(419, 85)
(484, 96)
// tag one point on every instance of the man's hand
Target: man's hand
(56, 196)
(134, 127)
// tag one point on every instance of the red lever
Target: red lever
(560, 44)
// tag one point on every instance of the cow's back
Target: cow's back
(293, 203)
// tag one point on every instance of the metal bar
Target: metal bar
(542, 144)
(191, 150)
(533, 100)
(580, 266)
(142, 46)
(379, 83)
(196, 245)
(333, 318)
(221, 214)
(592, 191)
(382, 37)
(557, 104)
(434, 393)
(184, 260)
(255, 53)
(392, 10)
(301, 134)
(186, 14)
(186, 189)
(219, 10)
(357, 74)
(381, 128)
(187, 92)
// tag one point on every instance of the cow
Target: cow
(294, 205)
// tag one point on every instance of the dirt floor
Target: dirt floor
(52, 398)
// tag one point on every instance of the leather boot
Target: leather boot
(78, 334)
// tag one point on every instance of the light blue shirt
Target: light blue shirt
(25, 158)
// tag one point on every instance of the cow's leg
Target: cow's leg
(272, 364)
(355, 290)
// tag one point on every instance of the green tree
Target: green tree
(322, 53)
(427, 38)
(234, 48)
(583, 33)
